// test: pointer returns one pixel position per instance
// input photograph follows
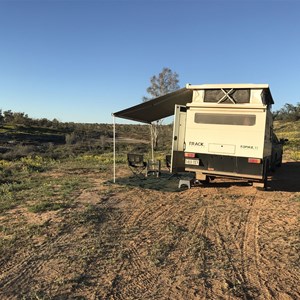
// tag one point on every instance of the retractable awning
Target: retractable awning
(156, 109)
(152, 110)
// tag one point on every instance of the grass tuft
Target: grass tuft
(48, 206)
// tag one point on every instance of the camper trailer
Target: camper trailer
(226, 131)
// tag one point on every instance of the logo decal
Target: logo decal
(249, 147)
(199, 144)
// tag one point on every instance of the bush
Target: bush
(18, 151)
(35, 163)
(288, 112)
(70, 138)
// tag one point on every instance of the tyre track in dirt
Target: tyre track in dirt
(149, 215)
(206, 230)
(242, 238)
(248, 271)
(254, 263)
(20, 272)
(215, 237)
(250, 249)
(193, 221)
(232, 229)
(141, 229)
(201, 229)
(22, 269)
(238, 281)
(134, 277)
(197, 249)
(149, 222)
(223, 233)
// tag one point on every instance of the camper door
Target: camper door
(177, 161)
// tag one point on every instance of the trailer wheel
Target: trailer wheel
(273, 164)
(266, 173)
(263, 184)
(279, 162)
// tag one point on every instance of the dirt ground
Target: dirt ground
(146, 239)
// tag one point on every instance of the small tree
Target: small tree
(288, 112)
(20, 119)
(70, 138)
(8, 116)
(166, 82)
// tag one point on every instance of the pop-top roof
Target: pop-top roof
(163, 106)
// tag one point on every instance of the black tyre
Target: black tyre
(273, 165)
(266, 173)
(279, 162)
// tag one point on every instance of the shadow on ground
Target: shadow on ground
(286, 178)
(167, 183)
(164, 182)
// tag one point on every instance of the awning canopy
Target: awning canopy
(157, 108)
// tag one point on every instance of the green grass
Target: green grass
(48, 206)
(101, 159)
(25, 182)
(8, 194)
(22, 182)
(54, 193)
(94, 215)
(290, 131)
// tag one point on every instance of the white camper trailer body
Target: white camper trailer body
(225, 131)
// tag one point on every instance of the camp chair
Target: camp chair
(136, 164)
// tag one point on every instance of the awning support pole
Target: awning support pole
(114, 146)
(152, 141)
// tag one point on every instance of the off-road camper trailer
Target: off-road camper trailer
(226, 131)
(220, 130)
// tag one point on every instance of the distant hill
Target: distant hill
(22, 136)
(59, 140)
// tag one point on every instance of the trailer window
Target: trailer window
(227, 96)
(225, 119)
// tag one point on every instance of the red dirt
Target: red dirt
(147, 240)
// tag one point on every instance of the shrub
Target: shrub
(18, 151)
(35, 163)
(70, 138)
(47, 206)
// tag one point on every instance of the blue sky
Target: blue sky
(80, 61)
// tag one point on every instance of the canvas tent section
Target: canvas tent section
(231, 94)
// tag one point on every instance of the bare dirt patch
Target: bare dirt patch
(146, 239)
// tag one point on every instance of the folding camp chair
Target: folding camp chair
(136, 164)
